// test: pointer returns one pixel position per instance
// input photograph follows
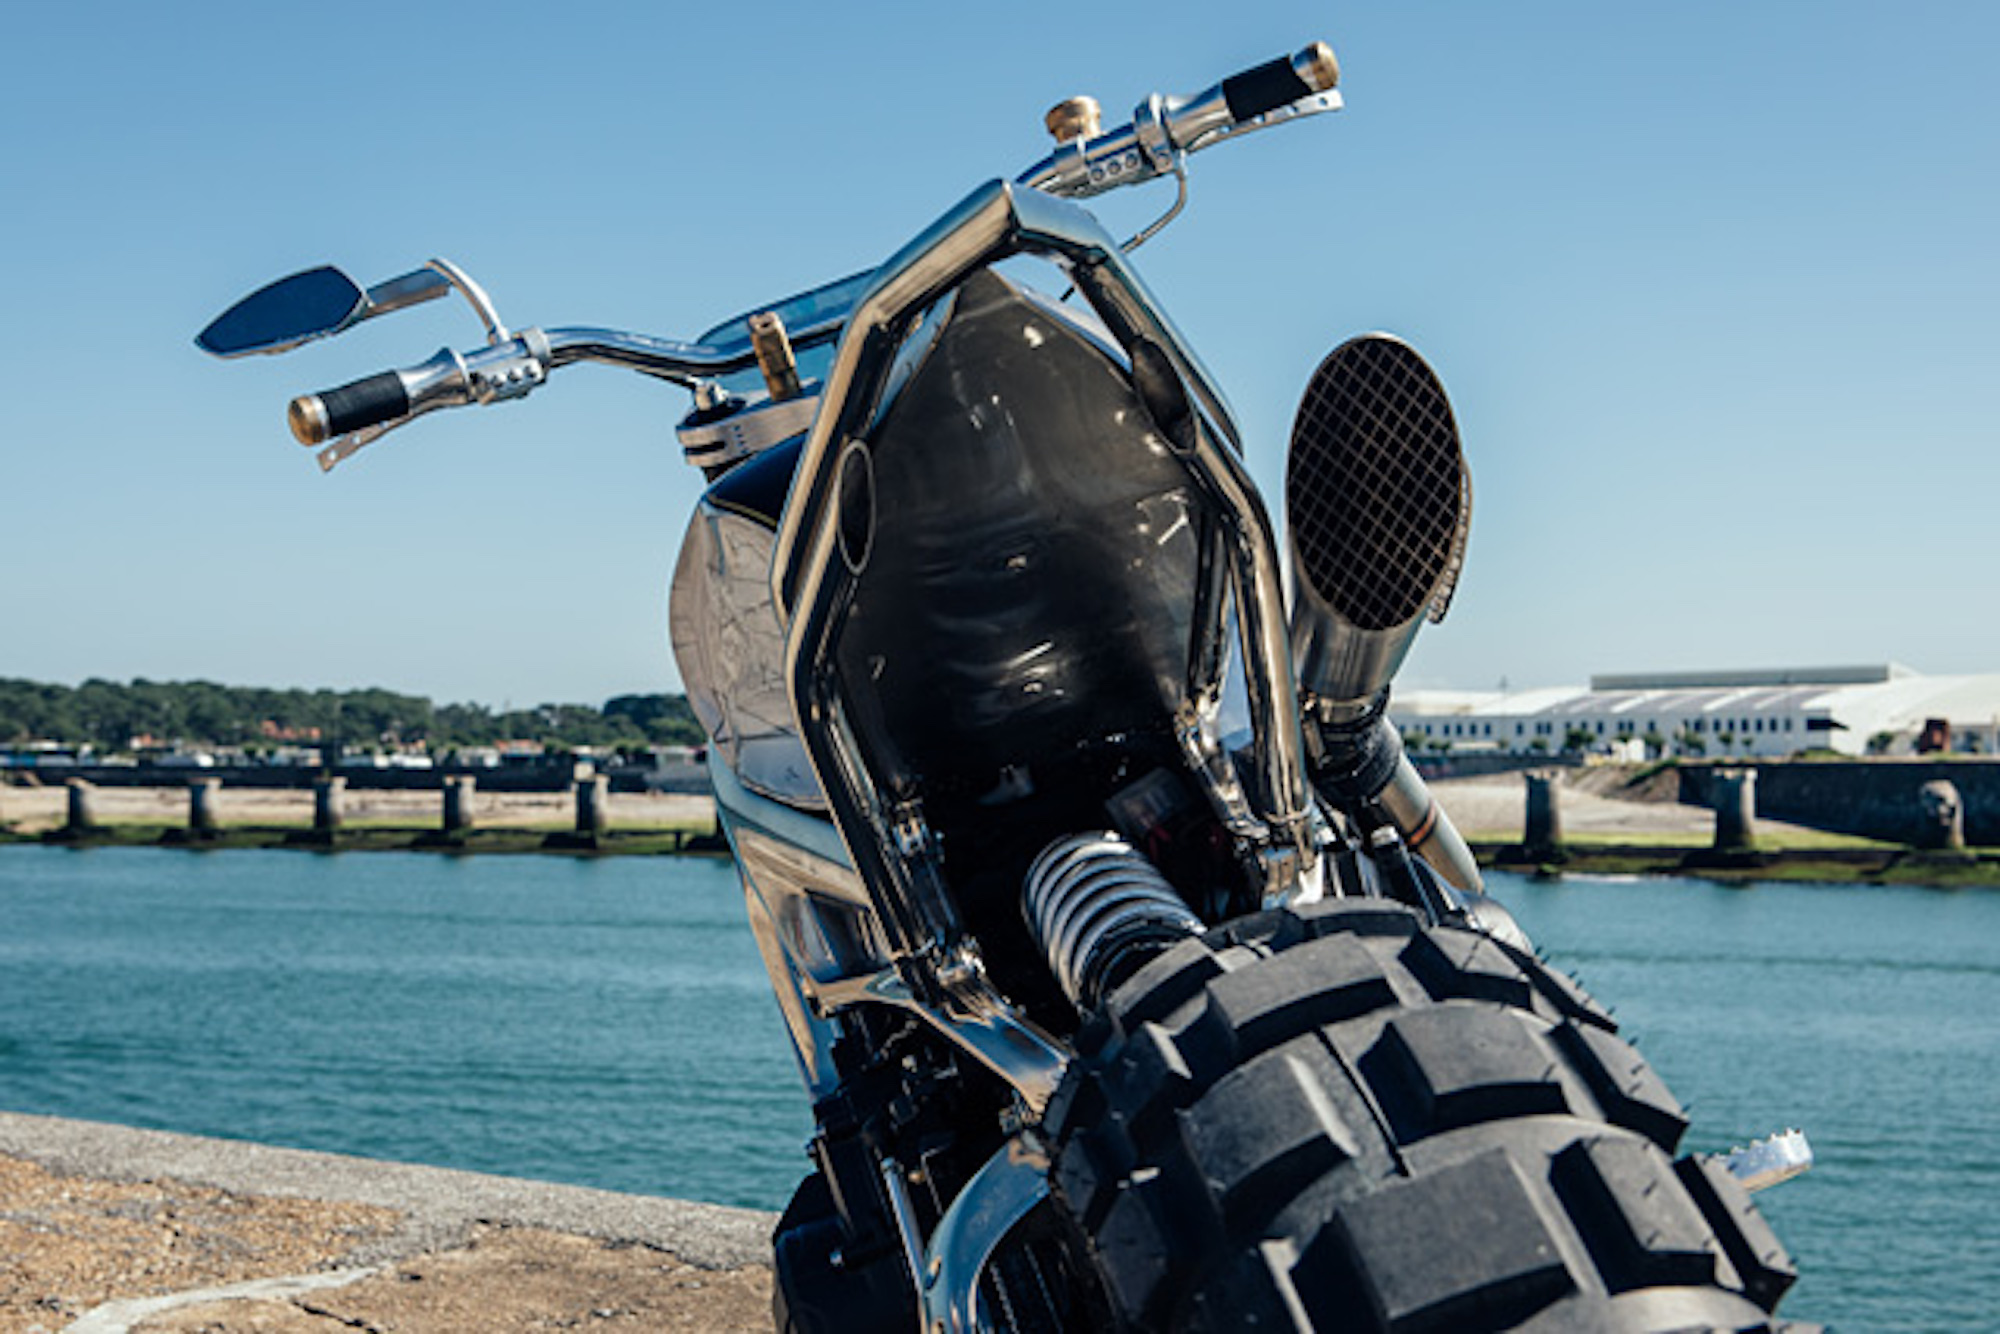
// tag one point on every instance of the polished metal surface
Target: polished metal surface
(1770, 1161)
(475, 296)
(1317, 66)
(663, 358)
(1002, 1193)
(729, 645)
(775, 359)
(1164, 129)
(975, 1019)
(307, 418)
(1427, 829)
(802, 897)
(1379, 503)
(1074, 117)
(897, 1191)
(411, 289)
(996, 221)
(1085, 894)
(747, 432)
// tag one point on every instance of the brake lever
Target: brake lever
(351, 443)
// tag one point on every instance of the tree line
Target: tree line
(114, 717)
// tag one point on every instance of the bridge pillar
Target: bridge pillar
(593, 815)
(329, 804)
(201, 805)
(1543, 831)
(458, 793)
(1735, 810)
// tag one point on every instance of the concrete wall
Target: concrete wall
(1872, 798)
(503, 778)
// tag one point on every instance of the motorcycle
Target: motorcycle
(1135, 976)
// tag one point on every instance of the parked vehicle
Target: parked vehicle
(1135, 977)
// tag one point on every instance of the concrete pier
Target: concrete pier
(1542, 835)
(329, 804)
(202, 821)
(459, 790)
(80, 818)
(593, 805)
(1735, 810)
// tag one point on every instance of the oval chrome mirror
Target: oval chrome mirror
(289, 312)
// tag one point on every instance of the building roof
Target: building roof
(1864, 674)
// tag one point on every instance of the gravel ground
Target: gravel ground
(105, 1230)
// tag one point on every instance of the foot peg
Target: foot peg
(1766, 1162)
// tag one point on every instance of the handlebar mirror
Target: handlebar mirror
(285, 314)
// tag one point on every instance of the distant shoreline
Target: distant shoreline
(649, 823)
(1770, 860)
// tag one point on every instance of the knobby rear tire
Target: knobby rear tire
(1336, 1118)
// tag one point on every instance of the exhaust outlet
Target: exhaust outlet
(1378, 504)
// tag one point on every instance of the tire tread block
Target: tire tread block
(1364, 919)
(1266, 1131)
(1631, 1094)
(1642, 1230)
(1440, 1069)
(1465, 1247)
(1167, 981)
(1314, 983)
(1568, 996)
(1760, 1258)
(1454, 963)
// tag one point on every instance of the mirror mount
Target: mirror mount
(319, 303)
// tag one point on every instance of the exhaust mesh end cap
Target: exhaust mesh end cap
(1377, 496)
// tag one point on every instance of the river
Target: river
(608, 1023)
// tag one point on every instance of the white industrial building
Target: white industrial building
(1853, 710)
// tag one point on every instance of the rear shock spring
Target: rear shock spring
(1099, 910)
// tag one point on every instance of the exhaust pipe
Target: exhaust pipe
(1378, 504)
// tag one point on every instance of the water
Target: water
(608, 1023)
(1868, 1016)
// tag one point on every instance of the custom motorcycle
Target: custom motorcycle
(1136, 978)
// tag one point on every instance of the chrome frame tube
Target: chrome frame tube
(810, 586)
(662, 358)
(1002, 1193)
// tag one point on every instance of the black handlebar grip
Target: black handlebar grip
(317, 418)
(1268, 86)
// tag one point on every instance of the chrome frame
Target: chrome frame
(810, 584)
(1002, 1193)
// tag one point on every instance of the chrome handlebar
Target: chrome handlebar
(1165, 129)
(345, 419)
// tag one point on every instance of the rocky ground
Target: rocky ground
(97, 1238)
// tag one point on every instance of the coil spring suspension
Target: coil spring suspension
(1099, 910)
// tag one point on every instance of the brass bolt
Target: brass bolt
(1078, 117)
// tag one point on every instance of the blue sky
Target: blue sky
(1713, 287)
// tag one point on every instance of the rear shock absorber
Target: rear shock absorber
(1099, 910)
